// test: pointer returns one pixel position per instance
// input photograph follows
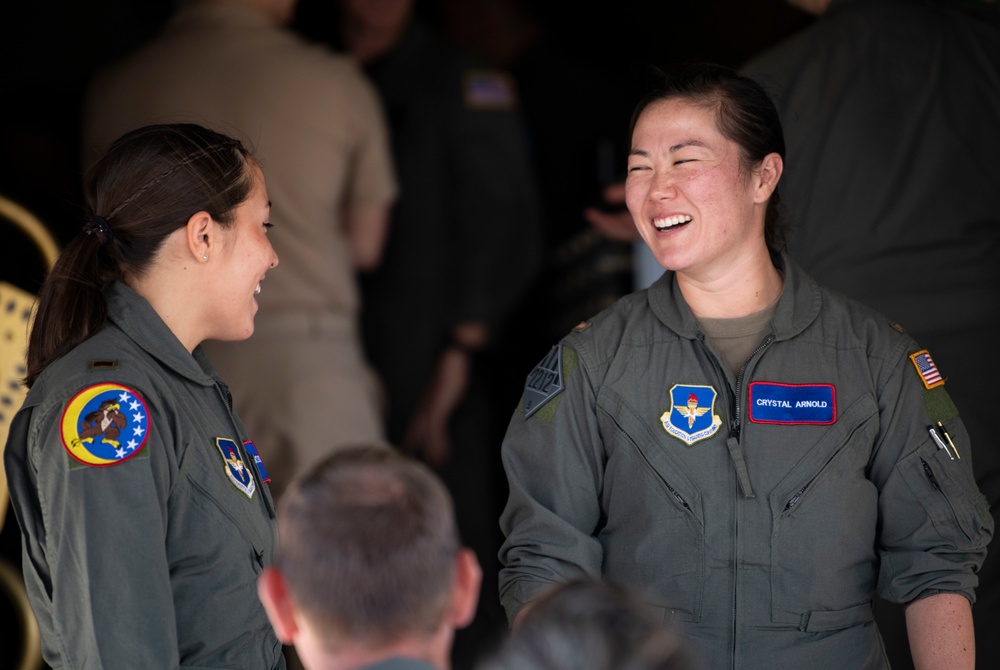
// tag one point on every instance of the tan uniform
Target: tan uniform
(301, 383)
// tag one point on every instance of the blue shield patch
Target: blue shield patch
(691, 416)
(237, 471)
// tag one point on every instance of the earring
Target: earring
(204, 258)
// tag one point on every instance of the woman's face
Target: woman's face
(690, 200)
(245, 258)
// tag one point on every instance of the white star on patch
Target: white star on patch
(123, 396)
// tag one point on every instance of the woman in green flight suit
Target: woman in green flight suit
(759, 457)
(143, 504)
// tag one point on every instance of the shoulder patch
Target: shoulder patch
(488, 89)
(105, 424)
(925, 367)
(544, 382)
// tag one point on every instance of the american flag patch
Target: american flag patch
(927, 370)
(488, 89)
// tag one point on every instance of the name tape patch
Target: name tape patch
(771, 402)
(258, 461)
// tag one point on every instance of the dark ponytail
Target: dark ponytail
(146, 186)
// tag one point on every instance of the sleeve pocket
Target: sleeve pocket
(950, 497)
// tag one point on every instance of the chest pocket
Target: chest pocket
(824, 515)
(654, 530)
(215, 496)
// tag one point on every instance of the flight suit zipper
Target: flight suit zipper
(739, 463)
(736, 427)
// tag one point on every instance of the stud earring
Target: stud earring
(204, 258)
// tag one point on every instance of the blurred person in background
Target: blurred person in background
(890, 112)
(302, 384)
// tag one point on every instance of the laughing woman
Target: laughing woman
(758, 457)
(142, 503)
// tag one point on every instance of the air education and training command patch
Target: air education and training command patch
(237, 471)
(691, 416)
(104, 424)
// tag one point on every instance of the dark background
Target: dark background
(50, 48)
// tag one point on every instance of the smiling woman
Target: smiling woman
(700, 188)
(215, 297)
(745, 449)
(126, 463)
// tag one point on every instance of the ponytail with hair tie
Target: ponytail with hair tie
(98, 226)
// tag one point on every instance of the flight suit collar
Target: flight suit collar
(135, 317)
(798, 305)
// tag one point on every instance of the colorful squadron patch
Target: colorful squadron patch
(691, 416)
(104, 424)
(928, 372)
(237, 471)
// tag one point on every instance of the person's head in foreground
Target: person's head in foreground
(593, 624)
(371, 566)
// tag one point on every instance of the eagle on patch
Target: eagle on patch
(106, 420)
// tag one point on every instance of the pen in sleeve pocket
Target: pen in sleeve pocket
(944, 431)
(939, 441)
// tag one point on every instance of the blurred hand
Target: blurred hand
(614, 225)
(427, 435)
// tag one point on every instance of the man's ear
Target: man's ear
(203, 236)
(465, 592)
(767, 176)
(273, 592)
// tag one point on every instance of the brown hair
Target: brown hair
(368, 545)
(146, 186)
